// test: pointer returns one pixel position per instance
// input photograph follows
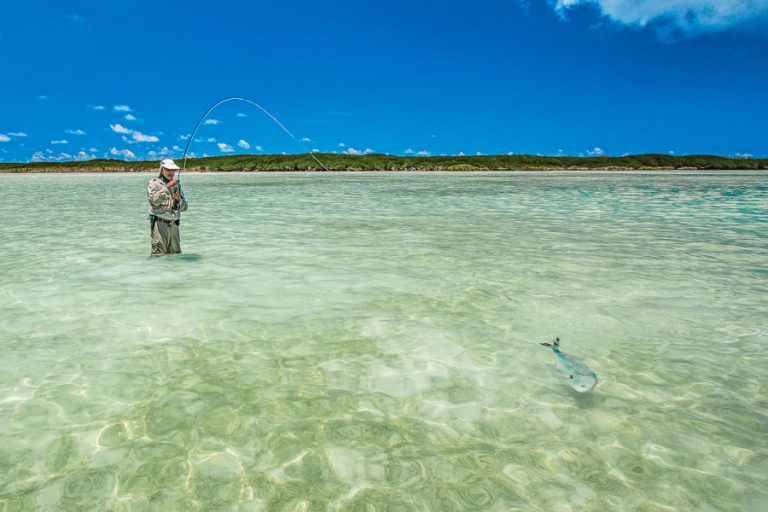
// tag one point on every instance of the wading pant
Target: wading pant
(165, 238)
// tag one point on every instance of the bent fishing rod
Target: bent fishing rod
(250, 102)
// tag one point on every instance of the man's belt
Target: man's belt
(155, 218)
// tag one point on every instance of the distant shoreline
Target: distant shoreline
(389, 163)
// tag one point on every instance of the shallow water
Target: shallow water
(343, 341)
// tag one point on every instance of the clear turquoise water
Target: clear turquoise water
(369, 342)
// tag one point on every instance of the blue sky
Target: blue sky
(129, 79)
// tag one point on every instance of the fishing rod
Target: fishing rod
(250, 102)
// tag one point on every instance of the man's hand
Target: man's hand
(172, 184)
(176, 196)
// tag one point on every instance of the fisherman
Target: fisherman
(166, 202)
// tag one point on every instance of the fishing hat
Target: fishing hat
(167, 163)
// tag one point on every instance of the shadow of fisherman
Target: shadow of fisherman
(166, 202)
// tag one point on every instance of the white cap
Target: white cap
(167, 163)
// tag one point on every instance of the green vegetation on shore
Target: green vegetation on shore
(378, 162)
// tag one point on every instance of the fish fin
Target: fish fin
(545, 344)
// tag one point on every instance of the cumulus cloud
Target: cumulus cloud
(122, 108)
(140, 137)
(96, 107)
(17, 134)
(210, 139)
(125, 153)
(306, 139)
(686, 16)
(4, 137)
(595, 152)
(62, 141)
(353, 151)
(225, 148)
(130, 117)
(120, 128)
(409, 151)
(342, 145)
(75, 132)
(258, 148)
(315, 150)
(212, 121)
(423, 153)
(243, 144)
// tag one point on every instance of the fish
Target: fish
(580, 376)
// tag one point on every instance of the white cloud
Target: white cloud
(306, 139)
(4, 137)
(342, 145)
(120, 128)
(510, 153)
(75, 132)
(92, 150)
(212, 121)
(688, 16)
(140, 137)
(423, 153)
(743, 155)
(258, 148)
(130, 117)
(42, 97)
(125, 153)
(185, 137)
(62, 141)
(461, 153)
(96, 107)
(210, 139)
(82, 155)
(122, 108)
(353, 151)
(479, 153)
(176, 148)
(240, 114)
(225, 148)
(315, 150)
(243, 144)
(596, 152)
(409, 151)
(17, 134)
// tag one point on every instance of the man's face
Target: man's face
(168, 173)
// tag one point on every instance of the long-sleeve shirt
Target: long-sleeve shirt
(161, 201)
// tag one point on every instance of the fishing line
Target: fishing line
(250, 102)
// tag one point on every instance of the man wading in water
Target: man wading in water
(166, 202)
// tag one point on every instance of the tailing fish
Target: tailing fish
(580, 376)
